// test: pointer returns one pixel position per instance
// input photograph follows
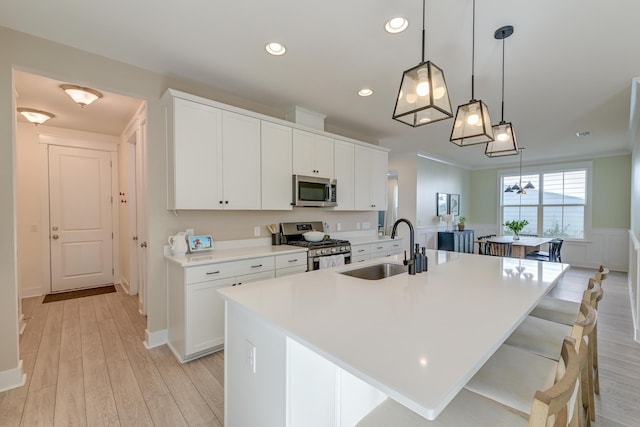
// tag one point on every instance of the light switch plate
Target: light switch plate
(256, 231)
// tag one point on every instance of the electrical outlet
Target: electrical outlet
(358, 226)
(366, 225)
(256, 231)
(338, 227)
(250, 356)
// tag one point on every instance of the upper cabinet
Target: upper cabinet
(312, 154)
(194, 150)
(213, 157)
(223, 157)
(370, 169)
(276, 166)
(344, 174)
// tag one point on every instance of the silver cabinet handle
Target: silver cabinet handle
(293, 260)
(256, 266)
(360, 250)
(213, 272)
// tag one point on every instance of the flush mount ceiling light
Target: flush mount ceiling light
(37, 117)
(81, 95)
(396, 25)
(472, 124)
(504, 143)
(276, 49)
(423, 96)
(365, 92)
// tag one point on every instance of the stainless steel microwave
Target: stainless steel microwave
(312, 191)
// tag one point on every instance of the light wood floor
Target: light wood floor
(86, 365)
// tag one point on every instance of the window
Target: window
(556, 207)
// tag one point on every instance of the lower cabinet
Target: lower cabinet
(195, 309)
(385, 248)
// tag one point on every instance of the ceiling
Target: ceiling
(568, 65)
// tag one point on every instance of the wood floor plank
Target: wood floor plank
(12, 402)
(101, 407)
(39, 407)
(70, 343)
(45, 372)
(209, 388)
(111, 342)
(132, 409)
(70, 401)
(191, 404)
(96, 375)
(165, 412)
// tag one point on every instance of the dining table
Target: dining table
(523, 245)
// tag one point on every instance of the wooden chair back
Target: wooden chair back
(559, 405)
(602, 274)
(500, 249)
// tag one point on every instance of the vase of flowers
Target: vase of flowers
(516, 227)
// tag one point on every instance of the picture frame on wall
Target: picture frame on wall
(442, 204)
(454, 204)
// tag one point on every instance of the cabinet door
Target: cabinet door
(312, 154)
(378, 180)
(204, 327)
(303, 153)
(344, 165)
(197, 150)
(362, 174)
(276, 155)
(241, 156)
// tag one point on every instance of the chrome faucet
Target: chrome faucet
(411, 262)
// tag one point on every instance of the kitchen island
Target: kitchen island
(324, 348)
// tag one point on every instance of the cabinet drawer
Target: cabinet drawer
(390, 246)
(254, 277)
(360, 258)
(360, 250)
(291, 260)
(223, 270)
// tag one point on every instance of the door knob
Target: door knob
(55, 236)
(135, 237)
(143, 244)
(54, 228)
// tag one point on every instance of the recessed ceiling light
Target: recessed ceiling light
(276, 49)
(584, 133)
(396, 25)
(365, 92)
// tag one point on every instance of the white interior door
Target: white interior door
(141, 227)
(81, 234)
(132, 232)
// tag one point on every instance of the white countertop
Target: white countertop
(419, 339)
(223, 255)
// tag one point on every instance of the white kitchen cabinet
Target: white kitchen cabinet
(371, 167)
(196, 311)
(194, 146)
(240, 161)
(277, 157)
(312, 154)
(365, 251)
(213, 157)
(344, 174)
(289, 264)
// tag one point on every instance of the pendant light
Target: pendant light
(423, 97)
(472, 124)
(521, 189)
(504, 143)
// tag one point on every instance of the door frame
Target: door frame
(75, 139)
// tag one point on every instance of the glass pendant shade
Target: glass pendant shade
(423, 96)
(508, 190)
(37, 117)
(504, 142)
(529, 186)
(515, 187)
(472, 124)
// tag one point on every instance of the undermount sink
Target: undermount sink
(376, 271)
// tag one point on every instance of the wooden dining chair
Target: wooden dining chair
(556, 405)
(601, 275)
(500, 248)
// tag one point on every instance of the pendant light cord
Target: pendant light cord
(502, 114)
(473, 50)
(423, 30)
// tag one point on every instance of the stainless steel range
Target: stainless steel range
(292, 234)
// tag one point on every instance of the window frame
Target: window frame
(541, 170)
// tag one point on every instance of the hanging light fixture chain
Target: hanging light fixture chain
(502, 113)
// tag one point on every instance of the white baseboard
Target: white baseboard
(30, 292)
(12, 378)
(125, 285)
(22, 324)
(156, 339)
